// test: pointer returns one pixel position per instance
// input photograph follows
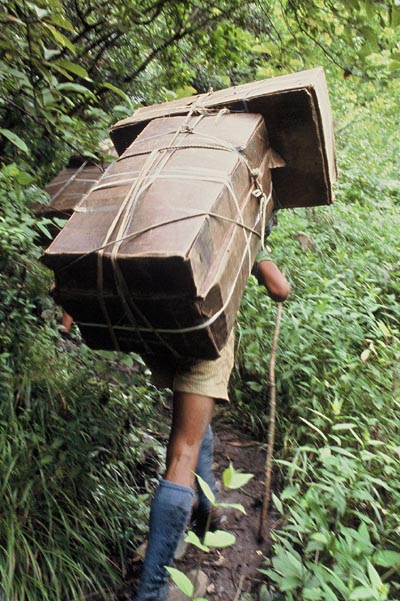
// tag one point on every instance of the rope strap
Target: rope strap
(154, 169)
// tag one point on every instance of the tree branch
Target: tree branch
(314, 39)
(179, 35)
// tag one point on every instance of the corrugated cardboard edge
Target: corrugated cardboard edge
(313, 81)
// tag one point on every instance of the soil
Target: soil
(233, 571)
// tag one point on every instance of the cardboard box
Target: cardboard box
(298, 118)
(69, 187)
(155, 260)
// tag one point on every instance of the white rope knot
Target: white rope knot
(186, 129)
(264, 201)
(255, 173)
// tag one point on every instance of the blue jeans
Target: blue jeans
(169, 515)
(204, 468)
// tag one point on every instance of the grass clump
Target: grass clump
(75, 459)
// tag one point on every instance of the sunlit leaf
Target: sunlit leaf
(60, 38)
(233, 479)
(75, 87)
(387, 559)
(219, 539)
(73, 68)
(181, 581)
(14, 139)
(206, 489)
(193, 539)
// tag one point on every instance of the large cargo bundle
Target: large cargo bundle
(297, 113)
(69, 187)
(156, 258)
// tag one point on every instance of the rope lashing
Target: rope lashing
(153, 170)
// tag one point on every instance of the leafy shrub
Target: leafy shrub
(75, 461)
(338, 455)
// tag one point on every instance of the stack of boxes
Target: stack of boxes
(156, 256)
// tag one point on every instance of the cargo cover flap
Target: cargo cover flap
(297, 113)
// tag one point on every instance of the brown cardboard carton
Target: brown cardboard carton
(69, 187)
(298, 118)
(156, 258)
(72, 184)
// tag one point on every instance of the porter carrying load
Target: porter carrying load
(156, 257)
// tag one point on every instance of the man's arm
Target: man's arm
(273, 279)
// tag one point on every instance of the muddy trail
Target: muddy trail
(232, 571)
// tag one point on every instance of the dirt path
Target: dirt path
(232, 571)
(235, 568)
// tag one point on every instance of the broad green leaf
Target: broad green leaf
(236, 506)
(387, 559)
(219, 539)
(384, 329)
(233, 479)
(181, 581)
(25, 179)
(184, 92)
(14, 139)
(61, 70)
(193, 539)
(206, 489)
(60, 38)
(376, 580)
(290, 583)
(62, 22)
(73, 68)
(116, 90)
(290, 492)
(44, 230)
(319, 537)
(75, 87)
(362, 592)
(277, 502)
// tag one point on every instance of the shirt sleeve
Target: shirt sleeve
(264, 254)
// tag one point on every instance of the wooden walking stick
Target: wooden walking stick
(271, 426)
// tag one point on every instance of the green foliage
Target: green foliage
(72, 440)
(337, 373)
(181, 581)
(20, 275)
(218, 539)
(76, 464)
(234, 479)
(71, 457)
(64, 66)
